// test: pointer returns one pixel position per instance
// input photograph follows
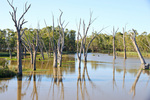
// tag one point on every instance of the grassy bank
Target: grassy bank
(132, 54)
(6, 73)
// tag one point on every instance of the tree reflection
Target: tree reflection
(3, 86)
(57, 82)
(19, 87)
(34, 92)
(114, 82)
(136, 80)
(81, 83)
(124, 72)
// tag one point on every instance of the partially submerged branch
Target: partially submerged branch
(133, 35)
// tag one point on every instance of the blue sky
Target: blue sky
(117, 13)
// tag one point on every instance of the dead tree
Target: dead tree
(54, 48)
(85, 32)
(26, 42)
(114, 33)
(60, 44)
(133, 35)
(18, 25)
(124, 44)
(84, 45)
(79, 48)
(31, 46)
(35, 48)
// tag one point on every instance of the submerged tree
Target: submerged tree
(124, 44)
(133, 35)
(58, 45)
(61, 42)
(114, 51)
(84, 45)
(18, 25)
(79, 48)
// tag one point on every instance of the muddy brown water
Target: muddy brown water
(100, 78)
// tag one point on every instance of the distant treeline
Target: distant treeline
(102, 43)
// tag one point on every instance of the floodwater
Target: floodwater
(100, 78)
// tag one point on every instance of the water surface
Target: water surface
(100, 78)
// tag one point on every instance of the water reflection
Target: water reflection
(124, 72)
(3, 86)
(114, 82)
(57, 83)
(19, 88)
(81, 83)
(34, 92)
(136, 80)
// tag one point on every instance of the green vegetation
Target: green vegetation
(5, 73)
(133, 54)
(6, 54)
(102, 43)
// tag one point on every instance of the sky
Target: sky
(118, 13)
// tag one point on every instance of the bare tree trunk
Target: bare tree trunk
(79, 62)
(19, 55)
(79, 49)
(34, 60)
(114, 54)
(10, 54)
(84, 53)
(60, 60)
(54, 48)
(55, 58)
(138, 51)
(124, 44)
(146, 66)
(24, 52)
(114, 51)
